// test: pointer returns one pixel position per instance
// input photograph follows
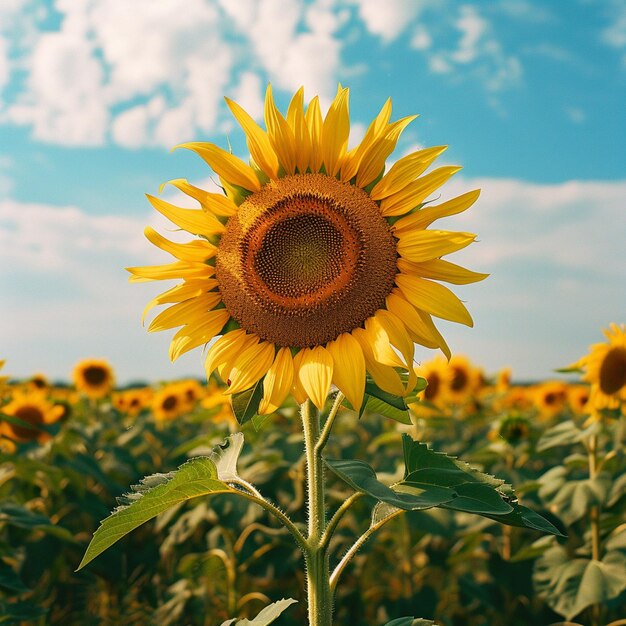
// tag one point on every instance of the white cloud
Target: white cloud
(64, 102)
(388, 19)
(98, 76)
(614, 35)
(421, 39)
(248, 94)
(477, 55)
(4, 62)
(575, 115)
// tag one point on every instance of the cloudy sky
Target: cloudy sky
(530, 96)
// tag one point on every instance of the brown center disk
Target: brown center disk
(305, 259)
(613, 371)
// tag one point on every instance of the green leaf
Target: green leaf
(479, 498)
(425, 465)
(375, 405)
(563, 434)
(225, 456)
(16, 515)
(156, 494)
(572, 585)
(523, 517)
(10, 580)
(361, 477)
(246, 404)
(372, 389)
(572, 498)
(265, 617)
(475, 491)
(410, 621)
(18, 612)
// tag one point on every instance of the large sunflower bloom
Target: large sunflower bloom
(314, 267)
(605, 369)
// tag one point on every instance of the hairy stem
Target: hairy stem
(316, 555)
(594, 519)
(349, 555)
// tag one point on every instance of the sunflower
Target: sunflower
(315, 267)
(34, 410)
(464, 379)
(168, 403)
(550, 398)
(132, 401)
(93, 377)
(605, 369)
(437, 375)
(578, 399)
(3, 379)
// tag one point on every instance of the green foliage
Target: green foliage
(265, 617)
(154, 495)
(196, 562)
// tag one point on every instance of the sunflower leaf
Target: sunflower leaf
(410, 621)
(246, 404)
(156, 494)
(375, 405)
(265, 617)
(571, 585)
(361, 477)
(372, 389)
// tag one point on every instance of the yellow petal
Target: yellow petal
(443, 346)
(277, 382)
(348, 368)
(313, 119)
(213, 203)
(249, 366)
(225, 349)
(185, 312)
(373, 162)
(180, 269)
(433, 298)
(192, 220)
(416, 192)
(197, 251)
(297, 389)
(438, 269)
(426, 216)
(335, 132)
(398, 335)
(353, 159)
(380, 343)
(180, 293)
(193, 335)
(281, 135)
(259, 143)
(298, 125)
(225, 164)
(424, 245)
(405, 171)
(418, 330)
(384, 376)
(316, 374)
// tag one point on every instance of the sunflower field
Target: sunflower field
(69, 453)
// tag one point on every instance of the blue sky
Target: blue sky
(529, 95)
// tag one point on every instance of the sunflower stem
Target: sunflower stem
(594, 518)
(316, 553)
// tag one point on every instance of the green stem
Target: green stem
(328, 424)
(339, 513)
(316, 554)
(348, 556)
(594, 518)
